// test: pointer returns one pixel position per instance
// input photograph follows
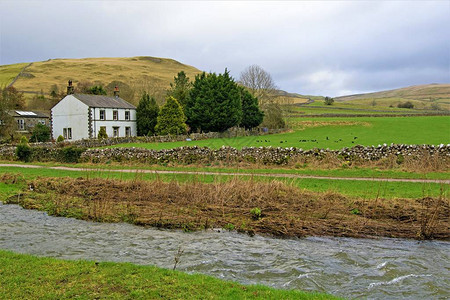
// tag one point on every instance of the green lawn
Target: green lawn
(347, 132)
(30, 277)
(352, 188)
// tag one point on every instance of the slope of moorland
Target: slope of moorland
(135, 74)
(429, 96)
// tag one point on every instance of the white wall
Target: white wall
(109, 123)
(70, 113)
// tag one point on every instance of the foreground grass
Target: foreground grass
(29, 277)
(333, 133)
(352, 188)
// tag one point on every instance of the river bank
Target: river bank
(253, 207)
(25, 277)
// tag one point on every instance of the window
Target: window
(127, 131)
(116, 131)
(127, 115)
(21, 124)
(102, 115)
(67, 133)
(115, 115)
(42, 122)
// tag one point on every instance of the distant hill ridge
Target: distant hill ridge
(422, 96)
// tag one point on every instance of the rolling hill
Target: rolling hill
(133, 75)
(429, 96)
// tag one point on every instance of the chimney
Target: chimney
(70, 88)
(116, 92)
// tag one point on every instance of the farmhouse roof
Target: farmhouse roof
(103, 101)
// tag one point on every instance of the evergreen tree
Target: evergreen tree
(146, 115)
(214, 103)
(252, 116)
(97, 90)
(171, 119)
(180, 88)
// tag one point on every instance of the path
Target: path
(279, 175)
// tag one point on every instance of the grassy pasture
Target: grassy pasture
(9, 72)
(30, 277)
(335, 133)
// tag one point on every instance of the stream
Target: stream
(347, 267)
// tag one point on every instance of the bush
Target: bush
(60, 139)
(41, 133)
(24, 152)
(407, 104)
(328, 101)
(71, 154)
(102, 133)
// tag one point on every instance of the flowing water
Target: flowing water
(353, 268)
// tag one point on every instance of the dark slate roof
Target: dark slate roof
(27, 114)
(103, 101)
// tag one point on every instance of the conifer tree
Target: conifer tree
(180, 88)
(146, 115)
(214, 103)
(171, 119)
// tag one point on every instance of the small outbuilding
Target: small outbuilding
(27, 120)
(81, 116)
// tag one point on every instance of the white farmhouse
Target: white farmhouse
(80, 116)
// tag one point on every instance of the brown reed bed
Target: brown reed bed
(247, 206)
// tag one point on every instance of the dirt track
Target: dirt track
(280, 175)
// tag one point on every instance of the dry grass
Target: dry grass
(285, 209)
(141, 73)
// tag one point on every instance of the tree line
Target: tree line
(211, 103)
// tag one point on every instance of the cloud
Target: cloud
(309, 47)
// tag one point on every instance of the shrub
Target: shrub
(328, 101)
(407, 104)
(102, 133)
(41, 133)
(71, 154)
(23, 140)
(24, 152)
(256, 213)
(60, 139)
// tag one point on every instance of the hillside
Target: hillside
(429, 96)
(133, 75)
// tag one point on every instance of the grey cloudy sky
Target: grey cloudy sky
(310, 47)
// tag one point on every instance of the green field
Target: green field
(351, 188)
(334, 133)
(30, 277)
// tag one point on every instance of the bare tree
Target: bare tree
(259, 83)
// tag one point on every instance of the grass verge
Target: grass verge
(29, 277)
(352, 188)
